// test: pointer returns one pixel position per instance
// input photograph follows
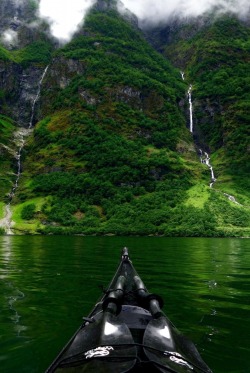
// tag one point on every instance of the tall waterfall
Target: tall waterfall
(190, 108)
(204, 157)
(37, 97)
(189, 93)
(19, 138)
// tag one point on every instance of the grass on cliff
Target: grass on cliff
(216, 61)
(34, 222)
(2, 205)
(36, 52)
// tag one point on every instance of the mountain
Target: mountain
(95, 134)
(214, 53)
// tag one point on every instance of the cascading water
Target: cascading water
(232, 199)
(204, 157)
(20, 136)
(190, 108)
(37, 97)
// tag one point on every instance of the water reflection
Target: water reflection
(6, 245)
(48, 283)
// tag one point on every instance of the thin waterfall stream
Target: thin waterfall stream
(190, 108)
(20, 136)
(204, 156)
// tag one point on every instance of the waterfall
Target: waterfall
(19, 137)
(190, 108)
(206, 160)
(232, 199)
(37, 97)
(204, 156)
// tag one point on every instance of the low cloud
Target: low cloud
(9, 38)
(155, 11)
(64, 16)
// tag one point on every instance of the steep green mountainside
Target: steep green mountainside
(14, 66)
(112, 152)
(216, 60)
(6, 155)
(105, 152)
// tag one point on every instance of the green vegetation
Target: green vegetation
(216, 61)
(6, 155)
(112, 154)
(5, 55)
(6, 129)
(36, 52)
(28, 211)
(1, 210)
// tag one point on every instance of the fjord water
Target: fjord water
(48, 283)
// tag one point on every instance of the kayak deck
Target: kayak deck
(127, 332)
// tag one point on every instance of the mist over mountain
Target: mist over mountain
(111, 128)
(152, 12)
(66, 17)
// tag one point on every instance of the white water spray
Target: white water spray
(232, 199)
(37, 97)
(190, 108)
(204, 157)
(20, 135)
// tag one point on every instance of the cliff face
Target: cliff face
(108, 147)
(214, 54)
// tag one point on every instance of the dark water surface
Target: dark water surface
(48, 283)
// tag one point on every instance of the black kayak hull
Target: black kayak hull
(127, 332)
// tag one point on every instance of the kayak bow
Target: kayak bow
(128, 332)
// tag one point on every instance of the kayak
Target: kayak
(127, 331)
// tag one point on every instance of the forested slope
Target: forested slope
(216, 61)
(111, 152)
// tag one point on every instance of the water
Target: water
(190, 108)
(48, 283)
(20, 135)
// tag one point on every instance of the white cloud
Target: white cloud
(9, 38)
(153, 11)
(64, 16)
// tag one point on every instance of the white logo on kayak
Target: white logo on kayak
(98, 352)
(178, 359)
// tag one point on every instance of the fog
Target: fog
(64, 16)
(155, 11)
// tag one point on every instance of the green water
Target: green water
(48, 283)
